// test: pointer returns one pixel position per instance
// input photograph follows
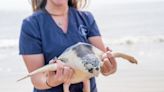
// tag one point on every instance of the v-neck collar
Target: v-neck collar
(55, 24)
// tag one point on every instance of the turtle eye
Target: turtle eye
(97, 68)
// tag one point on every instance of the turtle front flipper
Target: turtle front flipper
(49, 67)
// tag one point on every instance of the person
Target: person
(54, 26)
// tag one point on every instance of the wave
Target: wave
(8, 43)
(13, 43)
(135, 40)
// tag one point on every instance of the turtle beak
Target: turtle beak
(96, 71)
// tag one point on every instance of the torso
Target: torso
(56, 39)
(62, 22)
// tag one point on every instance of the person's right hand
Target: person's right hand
(63, 74)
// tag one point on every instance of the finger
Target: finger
(71, 72)
(104, 56)
(50, 75)
(107, 55)
(108, 49)
(53, 60)
(113, 62)
(68, 74)
(107, 64)
(111, 59)
(59, 71)
(106, 67)
(60, 62)
(65, 74)
(114, 66)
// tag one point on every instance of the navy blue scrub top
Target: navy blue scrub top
(41, 35)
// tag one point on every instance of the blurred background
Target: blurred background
(132, 26)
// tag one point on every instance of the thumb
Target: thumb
(104, 56)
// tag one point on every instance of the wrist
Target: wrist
(48, 84)
(51, 82)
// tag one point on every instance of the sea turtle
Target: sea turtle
(84, 59)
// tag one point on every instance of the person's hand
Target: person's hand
(110, 65)
(63, 74)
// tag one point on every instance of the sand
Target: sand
(147, 76)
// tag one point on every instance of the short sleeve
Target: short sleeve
(30, 40)
(93, 28)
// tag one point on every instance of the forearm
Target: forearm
(34, 62)
(97, 42)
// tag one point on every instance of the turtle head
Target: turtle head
(91, 64)
(89, 57)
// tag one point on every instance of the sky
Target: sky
(25, 5)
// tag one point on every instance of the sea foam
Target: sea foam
(129, 40)
(8, 43)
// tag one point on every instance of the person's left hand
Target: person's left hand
(110, 65)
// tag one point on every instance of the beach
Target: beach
(133, 28)
(147, 76)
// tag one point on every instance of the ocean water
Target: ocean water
(135, 28)
(118, 23)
